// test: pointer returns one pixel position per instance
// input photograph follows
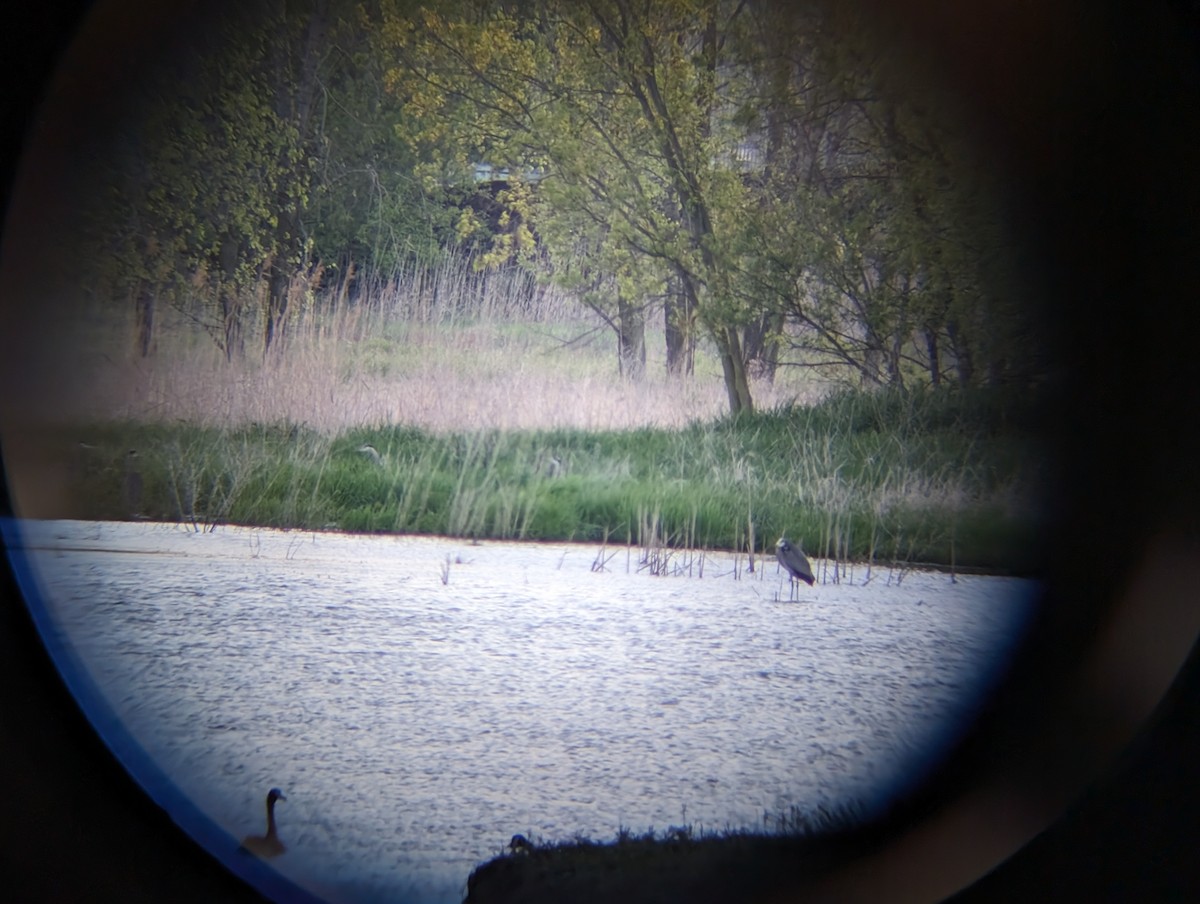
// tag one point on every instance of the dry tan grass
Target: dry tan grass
(312, 388)
(551, 371)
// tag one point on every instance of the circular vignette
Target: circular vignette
(1084, 107)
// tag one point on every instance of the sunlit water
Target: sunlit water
(418, 711)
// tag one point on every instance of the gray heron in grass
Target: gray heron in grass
(267, 845)
(372, 453)
(794, 561)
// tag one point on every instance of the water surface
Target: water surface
(419, 700)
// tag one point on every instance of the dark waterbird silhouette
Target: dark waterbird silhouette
(520, 844)
(794, 561)
(268, 845)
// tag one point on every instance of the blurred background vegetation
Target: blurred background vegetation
(769, 185)
(739, 268)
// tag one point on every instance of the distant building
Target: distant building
(487, 172)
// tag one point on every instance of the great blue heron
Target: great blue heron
(794, 561)
(267, 845)
(372, 453)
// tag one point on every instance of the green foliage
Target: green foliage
(782, 174)
(617, 106)
(858, 229)
(901, 477)
(259, 147)
(193, 195)
(367, 208)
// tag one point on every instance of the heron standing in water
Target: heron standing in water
(794, 562)
(267, 845)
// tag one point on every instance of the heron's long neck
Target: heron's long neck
(270, 819)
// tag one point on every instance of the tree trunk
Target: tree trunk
(770, 357)
(229, 257)
(734, 367)
(895, 374)
(679, 321)
(870, 368)
(733, 360)
(631, 339)
(760, 344)
(295, 100)
(144, 309)
(314, 46)
(763, 337)
(231, 322)
(964, 361)
(754, 338)
(347, 292)
(277, 304)
(931, 349)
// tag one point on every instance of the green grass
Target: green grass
(944, 478)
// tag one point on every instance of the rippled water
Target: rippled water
(420, 700)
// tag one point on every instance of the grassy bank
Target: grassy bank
(676, 865)
(946, 478)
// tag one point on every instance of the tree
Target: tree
(258, 147)
(879, 230)
(199, 184)
(617, 103)
(368, 213)
(293, 61)
(778, 179)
